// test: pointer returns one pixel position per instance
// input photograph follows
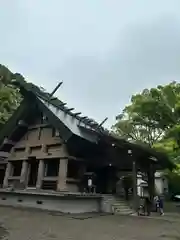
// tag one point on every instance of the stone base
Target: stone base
(59, 202)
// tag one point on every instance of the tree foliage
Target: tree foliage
(153, 118)
(9, 95)
(5, 75)
(173, 180)
(152, 115)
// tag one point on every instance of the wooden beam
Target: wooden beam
(134, 174)
(100, 125)
(62, 105)
(76, 114)
(53, 98)
(55, 89)
(69, 110)
(94, 125)
(83, 118)
(87, 120)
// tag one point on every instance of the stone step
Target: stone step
(115, 200)
(117, 205)
(123, 212)
(121, 203)
(121, 209)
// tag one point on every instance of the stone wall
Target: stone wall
(51, 202)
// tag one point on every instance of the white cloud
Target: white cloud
(104, 50)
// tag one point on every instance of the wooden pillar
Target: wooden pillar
(61, 186)
(151, 181)
(24, 172)
(63, 167)
(134, 173)
(81, 173)
(27, 151)
(44, 148)
(7, 174)
(40, 174)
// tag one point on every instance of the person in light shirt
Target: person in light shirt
(90, 185)
(159, 204)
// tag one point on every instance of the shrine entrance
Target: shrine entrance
(106, 180)
(33, 172)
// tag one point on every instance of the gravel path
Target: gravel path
(35, 225)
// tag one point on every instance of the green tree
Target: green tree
(170, 147)
(9, 95)
(138, 132)
(5, 75)
(9, 100)
(152, 115)
(173, 180)
(153, 118)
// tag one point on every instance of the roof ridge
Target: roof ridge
(56, 102)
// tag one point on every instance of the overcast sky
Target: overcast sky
(103, 50)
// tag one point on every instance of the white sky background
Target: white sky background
(103, 50)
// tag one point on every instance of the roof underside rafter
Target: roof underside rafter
(70, 122)
(56, 103)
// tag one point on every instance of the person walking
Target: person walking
(161, 206)
(156, 202)
(148, 206)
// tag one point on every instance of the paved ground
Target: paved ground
(27, 224)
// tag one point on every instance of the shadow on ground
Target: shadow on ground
(173, 237)
(3, 233)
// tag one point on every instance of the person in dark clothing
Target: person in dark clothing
(161, 206)
(148, 206)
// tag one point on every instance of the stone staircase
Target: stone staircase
(116, 205)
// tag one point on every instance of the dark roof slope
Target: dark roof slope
(30, 87)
